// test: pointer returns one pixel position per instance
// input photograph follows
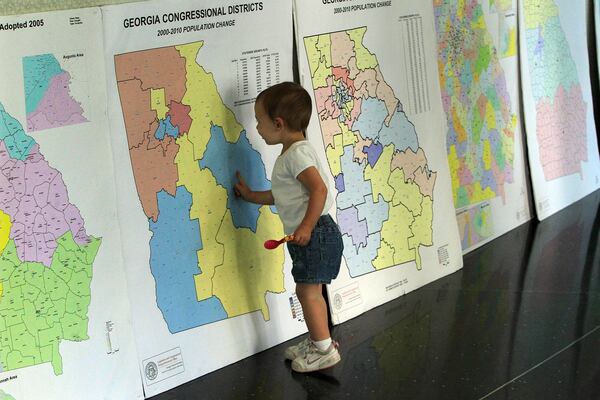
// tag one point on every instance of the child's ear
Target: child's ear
(278, 122)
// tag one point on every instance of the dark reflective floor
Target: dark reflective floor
(521, 320)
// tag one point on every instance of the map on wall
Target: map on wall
(48, 97)
(185, 147)
(63, 299)
(384, 184)
(560, 107)
(377, 123)
(46, 256)
(204, 291)
(479, 83)
(560, 127)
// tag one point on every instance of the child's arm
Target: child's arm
(317, 191)
(242, 190)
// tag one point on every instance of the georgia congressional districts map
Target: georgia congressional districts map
(384, 185)
(185, 147)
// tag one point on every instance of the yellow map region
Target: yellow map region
(335, 153)
(5, 226)
(501, 4)
(232, 268)
(203, 95)
(157, 102)
(410, 214)
(380, 174)
(511, 49)
(538, 11)
(364, 58)
(319, 68)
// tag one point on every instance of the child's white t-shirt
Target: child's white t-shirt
(290, 195)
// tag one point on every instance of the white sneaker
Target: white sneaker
(315, 359)
(293, 352)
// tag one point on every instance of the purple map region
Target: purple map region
(340, 186)
(373, 152)
(35, 197)
(57, 108)
(351, 226)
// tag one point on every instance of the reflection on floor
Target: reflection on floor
(521, 320)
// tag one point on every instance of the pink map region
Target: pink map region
(35, 197)
(57, 108)
(561, 133)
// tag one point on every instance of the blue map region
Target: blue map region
(373, 153)
(488, 180)
(339, 183)
(463, 148)
(38, 71)
(355, 186)
(165, 127)
(375, 213)
(17, 142)
(369, 122)
(224, 159)
(360, 260)
(174, 262)
(401, 132)
(466, 80)
(496, 144)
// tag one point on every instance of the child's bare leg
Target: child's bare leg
(314, 309)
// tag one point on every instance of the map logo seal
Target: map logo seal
(151, 370)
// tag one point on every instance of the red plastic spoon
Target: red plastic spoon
(273, 244)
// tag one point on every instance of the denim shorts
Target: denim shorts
(318, 261)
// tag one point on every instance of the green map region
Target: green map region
(46, 256)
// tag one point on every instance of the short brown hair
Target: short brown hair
(288, 101)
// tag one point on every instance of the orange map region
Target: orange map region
(152, 159)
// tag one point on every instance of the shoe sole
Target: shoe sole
(318, 369)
